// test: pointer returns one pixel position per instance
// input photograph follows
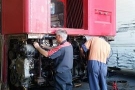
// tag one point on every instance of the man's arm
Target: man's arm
(46, 47)
(86, 45)
(42, 51)
(82, 52)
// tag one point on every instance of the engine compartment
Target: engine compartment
(28, 68)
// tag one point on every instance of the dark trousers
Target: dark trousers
(63, 81)
(97, 72)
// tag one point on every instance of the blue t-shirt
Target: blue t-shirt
(63, 56)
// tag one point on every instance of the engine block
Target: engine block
(28, 68)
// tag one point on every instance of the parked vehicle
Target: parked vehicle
(26, 21)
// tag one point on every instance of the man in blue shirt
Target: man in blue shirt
(63, 56)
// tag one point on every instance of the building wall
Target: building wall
(123, 48)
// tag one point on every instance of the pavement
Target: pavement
(123, 82)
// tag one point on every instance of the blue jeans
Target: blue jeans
(97, 72)
(63, 81)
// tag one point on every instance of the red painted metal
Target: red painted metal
(101, 17)
(4, 71)
(24, 16)
(32, 16)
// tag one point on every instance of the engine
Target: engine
(28, 68)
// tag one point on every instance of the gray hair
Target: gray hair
(62, 33)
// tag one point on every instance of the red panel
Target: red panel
(33, 16)
(98, 18)
(4, 62)
(101, 17)
(24, 16)
(12, 16)
(38, 16)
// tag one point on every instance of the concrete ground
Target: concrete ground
(122, 82)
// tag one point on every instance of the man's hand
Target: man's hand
(42, 51)
(46, 47)
(43, 46)
(36, 45)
